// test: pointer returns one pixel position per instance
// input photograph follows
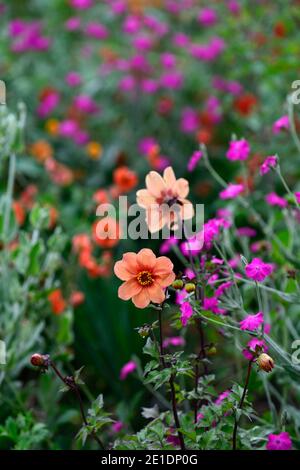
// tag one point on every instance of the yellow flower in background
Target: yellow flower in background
(94, 150)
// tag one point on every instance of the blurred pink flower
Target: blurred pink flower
(274, 200)
(238, 150)
(282, 123)
(192, 163)
(81, 4)
(281, 441)
(207, 17)
(127, 369)
(73, 79)
(270, 162)
(232, 191)
(186, 312)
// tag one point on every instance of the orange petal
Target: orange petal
(163, 266)
(166, 281)
(142, 299)
(187, 210)
(121, 271)
(146, 258)
(129, 289)
(156, 293)
(155, 184)
(170, 178)
(182, 188)
(144, 198)
(130, 259)
(154, 220)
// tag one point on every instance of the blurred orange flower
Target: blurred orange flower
(125, 179)
(57, 301)
(145, 277)
(94, 150)
(41, 150)
(106, 232)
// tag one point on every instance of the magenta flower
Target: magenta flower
(282, 123)
(81, 4)
(127, 369)
(167, 245)
(222, 288)
(181, 296)
(252, 322)
(238, 150)
(252, 346)
(197, 155)
(246, 232)
(297, 195)
(85, 104)
(258, 270)
(189, 121)
(270, 162)
(96, 30)
(232, 191)
(174, 341)
(274, 200)
(222, 397)
(212, 304)
(186, 312)
(73, 79)
(207, 17)
(281, 441)
(117, 427)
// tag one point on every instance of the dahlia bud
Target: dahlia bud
(40, 360)
(177, 284)
(190, 287)
(265, 362)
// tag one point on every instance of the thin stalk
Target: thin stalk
(240, 406)
(171, 383)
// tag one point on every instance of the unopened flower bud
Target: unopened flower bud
(39, 360)
(190, 287)
(177, 284)
(212, 350)
(265, 362)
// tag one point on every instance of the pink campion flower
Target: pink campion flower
(96, 30)
(118, 7)
(148, 85)
(68, 128)
(180, 297)
(252, 322)
(297, 195)
(208, 52)
(132, 24)
(73, 79)
(232, 191)
(211, 231)
(283, 123)
(81, 4)
(246, 232)
(207, 17)
(85, 104)
(212, 304)
(197, 155)
(73, 24)
(48, 103)
(274, 200)
(253, 346)
(270, 162)
(281, 441)
(172, 80)
(189, 121)
(168, 60)
(222, 397)
(258, 270)
(117, 427)
(238, 150)
(142, 42)
(167, 245)
(17, 27)
(127, 369)
(127, 83)
(180, 40)
(186, 312)
(193, 245)
(222, 288)
(174, 341)
(234, 7)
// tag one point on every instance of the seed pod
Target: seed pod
(190, 287)
(177, 284)
(265, 362)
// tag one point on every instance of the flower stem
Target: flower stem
(9, 193)
(240, 406)
(171, 382)
(71, 384)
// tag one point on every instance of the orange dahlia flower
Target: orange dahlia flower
(161, 194)
(145, 276)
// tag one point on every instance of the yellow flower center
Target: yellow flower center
(145, 278)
